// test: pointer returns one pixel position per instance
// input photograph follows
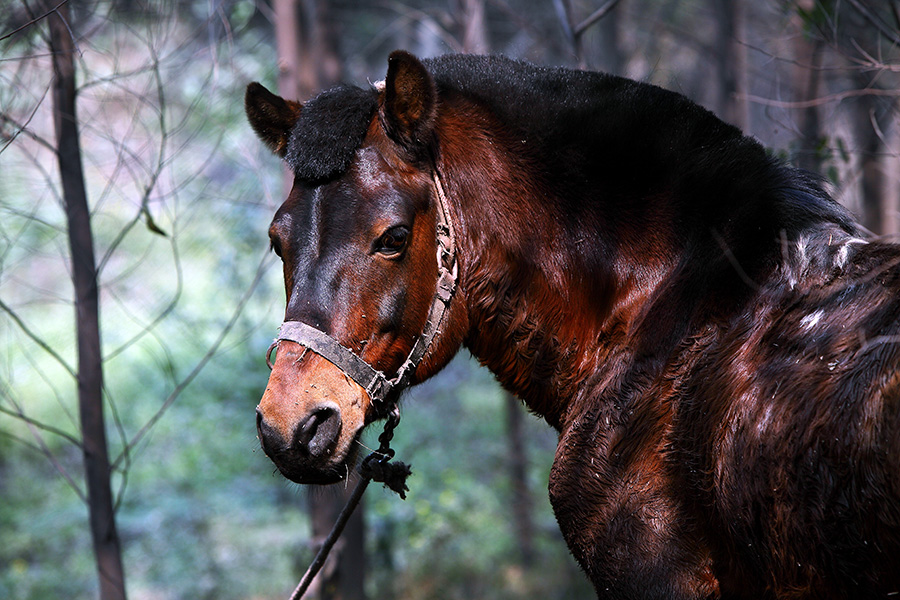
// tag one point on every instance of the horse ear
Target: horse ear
(272, 117)
(409, 106)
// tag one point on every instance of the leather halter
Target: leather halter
(378, 386)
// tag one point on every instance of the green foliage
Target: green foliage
(817, 16)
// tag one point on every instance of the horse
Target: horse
(711, 335)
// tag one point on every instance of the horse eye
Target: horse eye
(393, 241)
(275, 245)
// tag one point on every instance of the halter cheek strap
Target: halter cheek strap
(381, 389)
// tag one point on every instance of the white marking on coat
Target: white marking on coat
(844, 251)
(811, 320)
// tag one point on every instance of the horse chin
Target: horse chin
(308, 472)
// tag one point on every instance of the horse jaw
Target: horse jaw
(310, 417)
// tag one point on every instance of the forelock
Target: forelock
(330, 129)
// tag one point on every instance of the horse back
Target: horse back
(788, 425)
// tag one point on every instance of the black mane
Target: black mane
(639, 137)
(330, 129)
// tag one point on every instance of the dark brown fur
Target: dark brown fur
(715, 346)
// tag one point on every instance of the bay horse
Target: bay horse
(712, 336)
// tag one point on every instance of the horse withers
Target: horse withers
(712, 336)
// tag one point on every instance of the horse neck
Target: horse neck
(550, 301)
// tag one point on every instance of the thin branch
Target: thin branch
(201, 364)
(594, 17)
(5, 118)
(879, 132)
(876, 21)
(867, 344)
(166, 311)
(149, 329)
(34, 218)
(562, 13)
(870, 63)
(50, 382)
(575, 32)
(33, 21)
(426, 20)
(837, 97)
(161, 162)
(726, 250)
(23, 128)
(34, 427)
(33, 447)
(19, 414)
(35, 338)
(523, 23)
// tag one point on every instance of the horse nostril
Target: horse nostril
(319, 432)
(269, 437)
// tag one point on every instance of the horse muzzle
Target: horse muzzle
(310, 417)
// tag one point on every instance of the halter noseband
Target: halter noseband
(378, 386)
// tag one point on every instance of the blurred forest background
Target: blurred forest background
(138, 297)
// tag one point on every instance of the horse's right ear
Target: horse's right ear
(409, 102)
(272, 117)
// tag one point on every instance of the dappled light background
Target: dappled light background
(181, 194)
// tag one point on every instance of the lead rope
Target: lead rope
(375, 467)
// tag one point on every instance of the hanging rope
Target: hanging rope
(375, 467)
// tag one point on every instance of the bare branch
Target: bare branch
(519, 19)
(33, 21)
(565, 19)
(23, 128)
(837, 97)
(575, 32)
(201, 364)
(876, 21)
(876, 127)
(35, 427)
(18, 413)
(426, 20)
(36, 339)
(595, 16)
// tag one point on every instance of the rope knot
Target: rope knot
(392, 475)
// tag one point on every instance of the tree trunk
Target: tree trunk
(865, 119)
(84, 275)
(306, 46)
(808, 56)
(518, 472)
(342, 576)
(474, 34)
(307, 52)
(731, 62)
(862, 35)
(871, 117)
(611, 59)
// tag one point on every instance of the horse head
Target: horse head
(357, 236)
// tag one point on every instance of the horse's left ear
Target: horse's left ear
(272, 117)
(410, 97)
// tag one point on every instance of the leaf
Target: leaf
(151, 224)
